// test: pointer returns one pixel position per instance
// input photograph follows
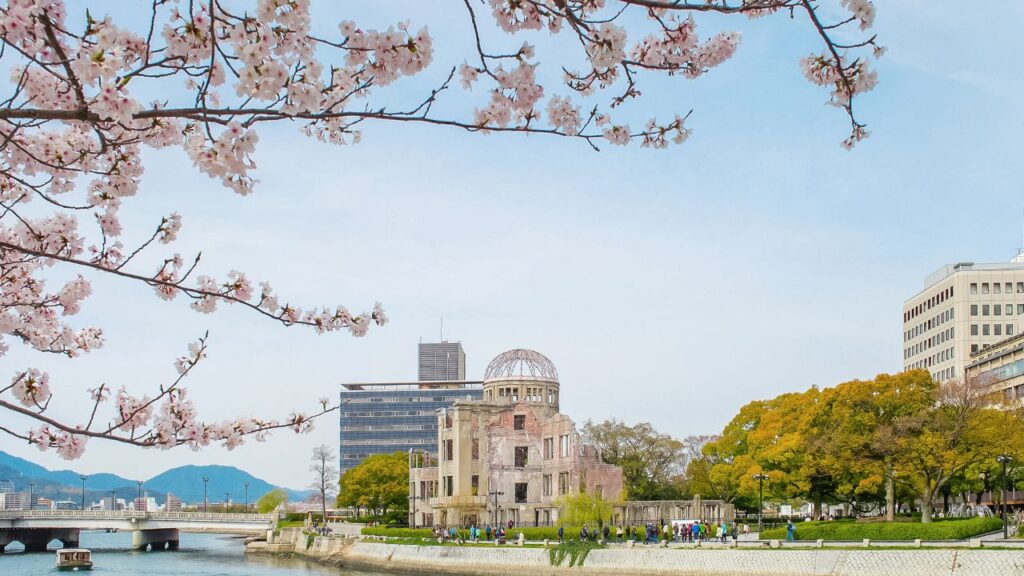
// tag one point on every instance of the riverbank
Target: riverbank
(505, 560)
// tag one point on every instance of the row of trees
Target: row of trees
(862, 443)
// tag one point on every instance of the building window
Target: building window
(476, 448)
(521, 492)
(519, 422)
(984, 330)
(563, 482)
(449, 452)
(449, 485)
(549, 448)
(1020, 308)
(997, 310)
(1009, 287)
(974, 288)
(475, 483)
(974, 329)
(522, 456)
(984, 310)
(1009, 329)
(984, 288)
(974, 309)
(997, 288)
(547, 485)
(998, 328)
(563, 446)
(1020, 287)
(974, 348)
(583, 481)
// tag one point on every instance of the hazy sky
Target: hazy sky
(667, 286)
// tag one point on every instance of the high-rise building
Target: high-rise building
(963, 309)
(388, 417)
(442, 361)
(15, 500)
(6, 486)
(172, 503)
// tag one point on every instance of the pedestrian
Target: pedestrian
(695, 532)
(583, 533)
(510, 524)
(607, 532)
(488, 531)
(561, 534)
(618, 533)
(790, 531)
(733, 530)
(746, 529)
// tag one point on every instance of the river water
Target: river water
(199, 555)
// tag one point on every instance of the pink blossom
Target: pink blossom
(31, 387)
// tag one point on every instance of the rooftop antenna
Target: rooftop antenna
(442, 328)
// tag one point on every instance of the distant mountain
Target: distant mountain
(186, 482)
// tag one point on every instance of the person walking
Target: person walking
(561, 534)
(487, 532)
(790, 531)
(734, 530)
(618, 533)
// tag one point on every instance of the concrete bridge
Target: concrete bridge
(150, 530)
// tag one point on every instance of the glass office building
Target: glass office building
(388, 417)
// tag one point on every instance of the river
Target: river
(199, 555)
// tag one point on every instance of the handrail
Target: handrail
(138, 515)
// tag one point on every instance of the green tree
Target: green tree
(271, 500)
(584, 508)
(648, 458)
(379, 483)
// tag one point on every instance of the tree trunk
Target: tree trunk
(817, 507)
(890, 495)
(926, 506)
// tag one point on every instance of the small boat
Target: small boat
(74, 559)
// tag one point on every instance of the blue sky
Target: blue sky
(667, 286)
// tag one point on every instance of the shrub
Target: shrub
(949, 529)
(576, 552)
(396, 532)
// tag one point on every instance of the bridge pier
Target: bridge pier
(36, 539)
(157, 539)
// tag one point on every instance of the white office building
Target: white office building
(963, 309)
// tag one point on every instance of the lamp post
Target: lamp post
(494, 495)
(31, 496)
(246, 495)
(1004, 459)
(83, 478)
(206, 503)
(760, 499)
(138, 500)
(227, 499)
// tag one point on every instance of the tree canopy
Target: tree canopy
(378, 483)
(648, 458)
(271, 500)
(859, 442)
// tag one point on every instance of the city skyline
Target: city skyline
(656, 281)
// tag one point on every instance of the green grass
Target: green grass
(290, 524)
(949, 529)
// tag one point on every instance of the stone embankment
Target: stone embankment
(501, 561)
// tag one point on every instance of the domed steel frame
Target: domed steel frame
(521, 363)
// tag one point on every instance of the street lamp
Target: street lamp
(494, 495)
(1004, 460)
(31, 496)
(227, 498)
(83, 478)
(138, 500)
(246, 496)
(206, 503)
(760, 499)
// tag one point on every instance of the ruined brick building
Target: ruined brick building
(509, 456)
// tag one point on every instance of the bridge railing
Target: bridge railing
(140, 515)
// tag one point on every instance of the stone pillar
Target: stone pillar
(158, 538)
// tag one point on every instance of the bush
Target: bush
(948, 529)
(530, 533)
(396, 532)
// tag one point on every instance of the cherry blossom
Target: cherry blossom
(75, 128)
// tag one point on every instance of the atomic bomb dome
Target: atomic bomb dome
(521, 364)
(522, 376)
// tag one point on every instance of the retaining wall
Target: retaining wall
(510, 560)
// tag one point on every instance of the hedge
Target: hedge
(530, 533)
(948, 529)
